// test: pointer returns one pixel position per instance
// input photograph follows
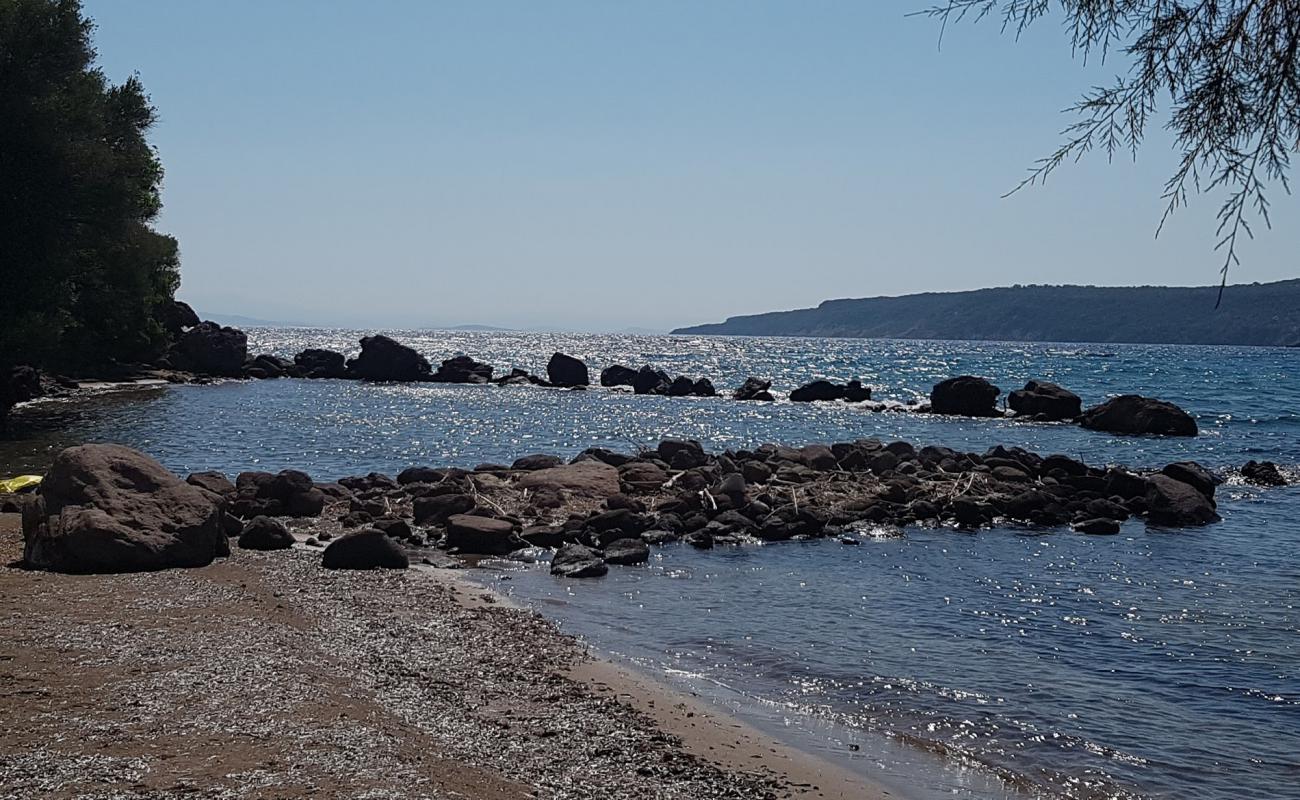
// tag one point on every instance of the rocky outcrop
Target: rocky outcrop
(18, 385)
(578, 561)
(317, 363)
(269, 366)
(211, 349)
(176, 317)
(566, 371)
(965, 396)
(1135, 414)
(649, 380)
(1045, 401)
(384, 359)
(365, 549)
(822, 390)
(463, 369)
(289, 493)
(108, 508)
(754, 389)
(617, 375)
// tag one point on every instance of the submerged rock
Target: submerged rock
(754, 389)
(578, 561)
(1263, 473)
(1135, 414)
(108, 508)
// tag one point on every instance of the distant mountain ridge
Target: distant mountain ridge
(1251, 314)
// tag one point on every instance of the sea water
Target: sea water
(1004, 662)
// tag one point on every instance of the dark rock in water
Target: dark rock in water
(318, 363)
(365, 549)
(1124, 484)
(210, 349)
(1176, 504)
(1135, 414)
(754, 389)
(177, 316)
(1194, 475)
(700, 540)
(264, 533)
(269, 366)
(578, 561)
(18, 385)
(627, 551)
(534, 462)
(1046, 401)
(1097, 527)
(108, 508)
(965, 396)
(617, 375)
(564, 370)
(213, 481)
(384, 359)
(437, 509)
(1263, 473)
(463, 369)
(658, 537)
(855, 392)
(481, 535)
(703, 387)
(817, 391)
(649, 380)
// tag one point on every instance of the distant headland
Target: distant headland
(1266, 314)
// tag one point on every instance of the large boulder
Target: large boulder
(364, 549)
(649, 380)
(754, 389)
(463, 369)
(627, 551)
(1176, 504)
(617, 375)
(18, 385)
(1045, 401)
(965, 396)
(385, 359)
(317, 363)
(108, 508)
(589, 478)
(481, 535)
(817, 391)
(564, 370)
(288, 493)
(211, 349)
(578, 561)
(1135, 414)
(1194, 475)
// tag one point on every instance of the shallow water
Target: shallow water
(1150, 664)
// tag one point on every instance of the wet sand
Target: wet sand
(265, 676)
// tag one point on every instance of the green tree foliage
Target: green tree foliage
(82, 273)
(1227, 72)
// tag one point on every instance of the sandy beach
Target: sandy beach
(264, 675)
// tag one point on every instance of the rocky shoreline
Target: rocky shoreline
(265, 675)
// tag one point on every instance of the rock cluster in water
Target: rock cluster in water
(107, 508)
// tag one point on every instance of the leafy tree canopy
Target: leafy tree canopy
(1229, 71)
(83, 275)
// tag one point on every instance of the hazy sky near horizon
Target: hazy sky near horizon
(597, 165)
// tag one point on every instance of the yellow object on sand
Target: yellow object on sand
(20, 483)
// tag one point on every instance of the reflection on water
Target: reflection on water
(1144, 665)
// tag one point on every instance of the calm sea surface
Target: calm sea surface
(1003, 663)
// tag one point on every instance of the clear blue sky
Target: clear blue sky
(599, 165)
